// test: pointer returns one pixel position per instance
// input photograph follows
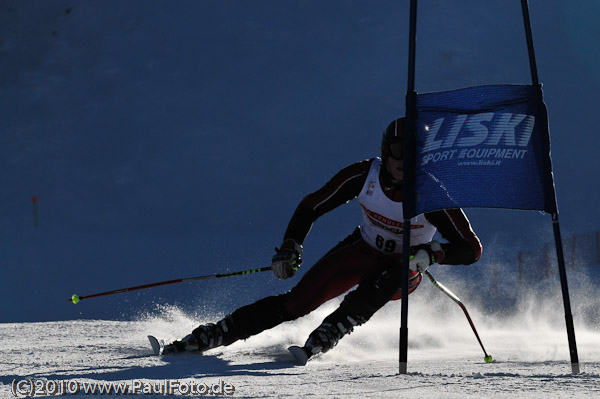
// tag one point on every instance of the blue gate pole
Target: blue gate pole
(555, 223)
(408, 186)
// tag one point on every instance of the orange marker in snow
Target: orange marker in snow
(35, 213)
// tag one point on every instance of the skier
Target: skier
(370, 257)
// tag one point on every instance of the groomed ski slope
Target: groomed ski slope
(445, 361)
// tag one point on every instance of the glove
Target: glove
(424, 255)
(287, 259)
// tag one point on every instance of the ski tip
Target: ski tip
(300, 354)
(156, 345)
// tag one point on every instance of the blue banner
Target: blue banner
(485, 146)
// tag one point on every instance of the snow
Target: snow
(529, 348)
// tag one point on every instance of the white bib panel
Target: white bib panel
(382, 225)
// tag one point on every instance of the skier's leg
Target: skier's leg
(343, 267)
(241, 324)
(334, 274)
(357, 308)
(338, 271)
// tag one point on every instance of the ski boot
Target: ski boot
(203, 338)
(187, 343)
(325, 337)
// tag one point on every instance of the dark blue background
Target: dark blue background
(171, 139)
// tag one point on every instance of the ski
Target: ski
(300, 354)
(157, 346)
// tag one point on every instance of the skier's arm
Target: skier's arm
(343, 187)
(463, 246)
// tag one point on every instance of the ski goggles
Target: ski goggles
(396, 150)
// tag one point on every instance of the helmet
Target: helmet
(392, 143)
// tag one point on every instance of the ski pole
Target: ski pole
(487, 358)
(75, 298)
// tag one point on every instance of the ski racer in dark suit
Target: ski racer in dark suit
(370, 257)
